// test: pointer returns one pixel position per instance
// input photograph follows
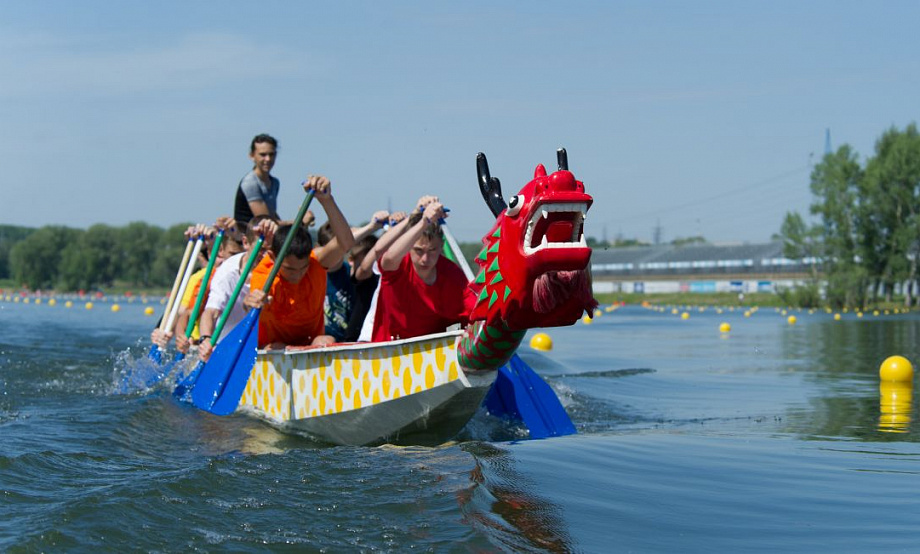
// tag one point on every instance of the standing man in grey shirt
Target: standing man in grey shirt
(257, 193)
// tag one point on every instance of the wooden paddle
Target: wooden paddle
(155, 353)
(224, 378)
(519, 392)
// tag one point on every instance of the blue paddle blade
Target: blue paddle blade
(519, 393)
(183, 386)
(155, 354)
(232, 358)
(228, 400)
(165, 370)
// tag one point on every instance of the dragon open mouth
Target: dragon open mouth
(558, 225)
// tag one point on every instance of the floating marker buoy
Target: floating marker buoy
(598, 312)
(88, 306)
(725, 328)
(148, 310)
(896, 368)
(791, 319)
(875, 313)
(895, 406)
(68, 304)
(52, 302)
(685, 315)
(541, 341)
(115, 307)
(859, 314)
(586, 320)
(38, 300)
(747, 313)
(836, 317)
(25, 300)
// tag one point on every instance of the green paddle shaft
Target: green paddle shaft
(203, 289)
(287, 243)
(236, 291)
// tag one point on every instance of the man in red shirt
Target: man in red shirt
(421, 292)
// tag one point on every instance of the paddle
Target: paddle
(198, 301)
(191, 380)
(155, 353)
(224, 378)
(519, 392)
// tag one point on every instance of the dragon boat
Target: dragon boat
(533, 272)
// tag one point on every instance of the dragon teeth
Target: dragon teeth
(578, 239)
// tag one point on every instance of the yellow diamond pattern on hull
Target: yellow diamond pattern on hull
(327, 383)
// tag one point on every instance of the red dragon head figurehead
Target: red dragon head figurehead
(535, 259)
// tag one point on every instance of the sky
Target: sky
(689, 118)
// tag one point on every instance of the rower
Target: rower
(421, 292)
(292, 312)
(224, 282)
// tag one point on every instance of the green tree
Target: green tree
(138, 243)
(35, 260)
(801, 242)
(836, 183)
(95, 259)
(9, 236)
(168, 254)
(892, 187)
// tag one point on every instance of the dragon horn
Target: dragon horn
(563, 159)
(490, 187)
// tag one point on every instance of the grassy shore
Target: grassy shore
(761, 299)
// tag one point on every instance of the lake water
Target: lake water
(771, 437)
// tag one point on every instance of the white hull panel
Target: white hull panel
(368, 393)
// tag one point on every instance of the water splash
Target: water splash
(135, 373)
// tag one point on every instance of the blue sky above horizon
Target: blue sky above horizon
(703, 118)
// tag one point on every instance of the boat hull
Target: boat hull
(406, 391)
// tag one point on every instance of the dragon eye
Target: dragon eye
(515, 204)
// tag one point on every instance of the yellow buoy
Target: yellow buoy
(896, 368)
(598, 312)
(541, 341)
(26, 300)
(586, 320)
(68, 304)
(747, 313)
(52, 302)
(685, 315)
(836, 317)
(89, 305)
(115, 307)
(148, 310)
(859, 314)
(791, 319)
(725, 327)
(875, 313)
(38, 300)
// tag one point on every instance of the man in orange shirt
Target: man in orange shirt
(292, 313)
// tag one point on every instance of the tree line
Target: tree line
(64, 258)
(864, 243)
